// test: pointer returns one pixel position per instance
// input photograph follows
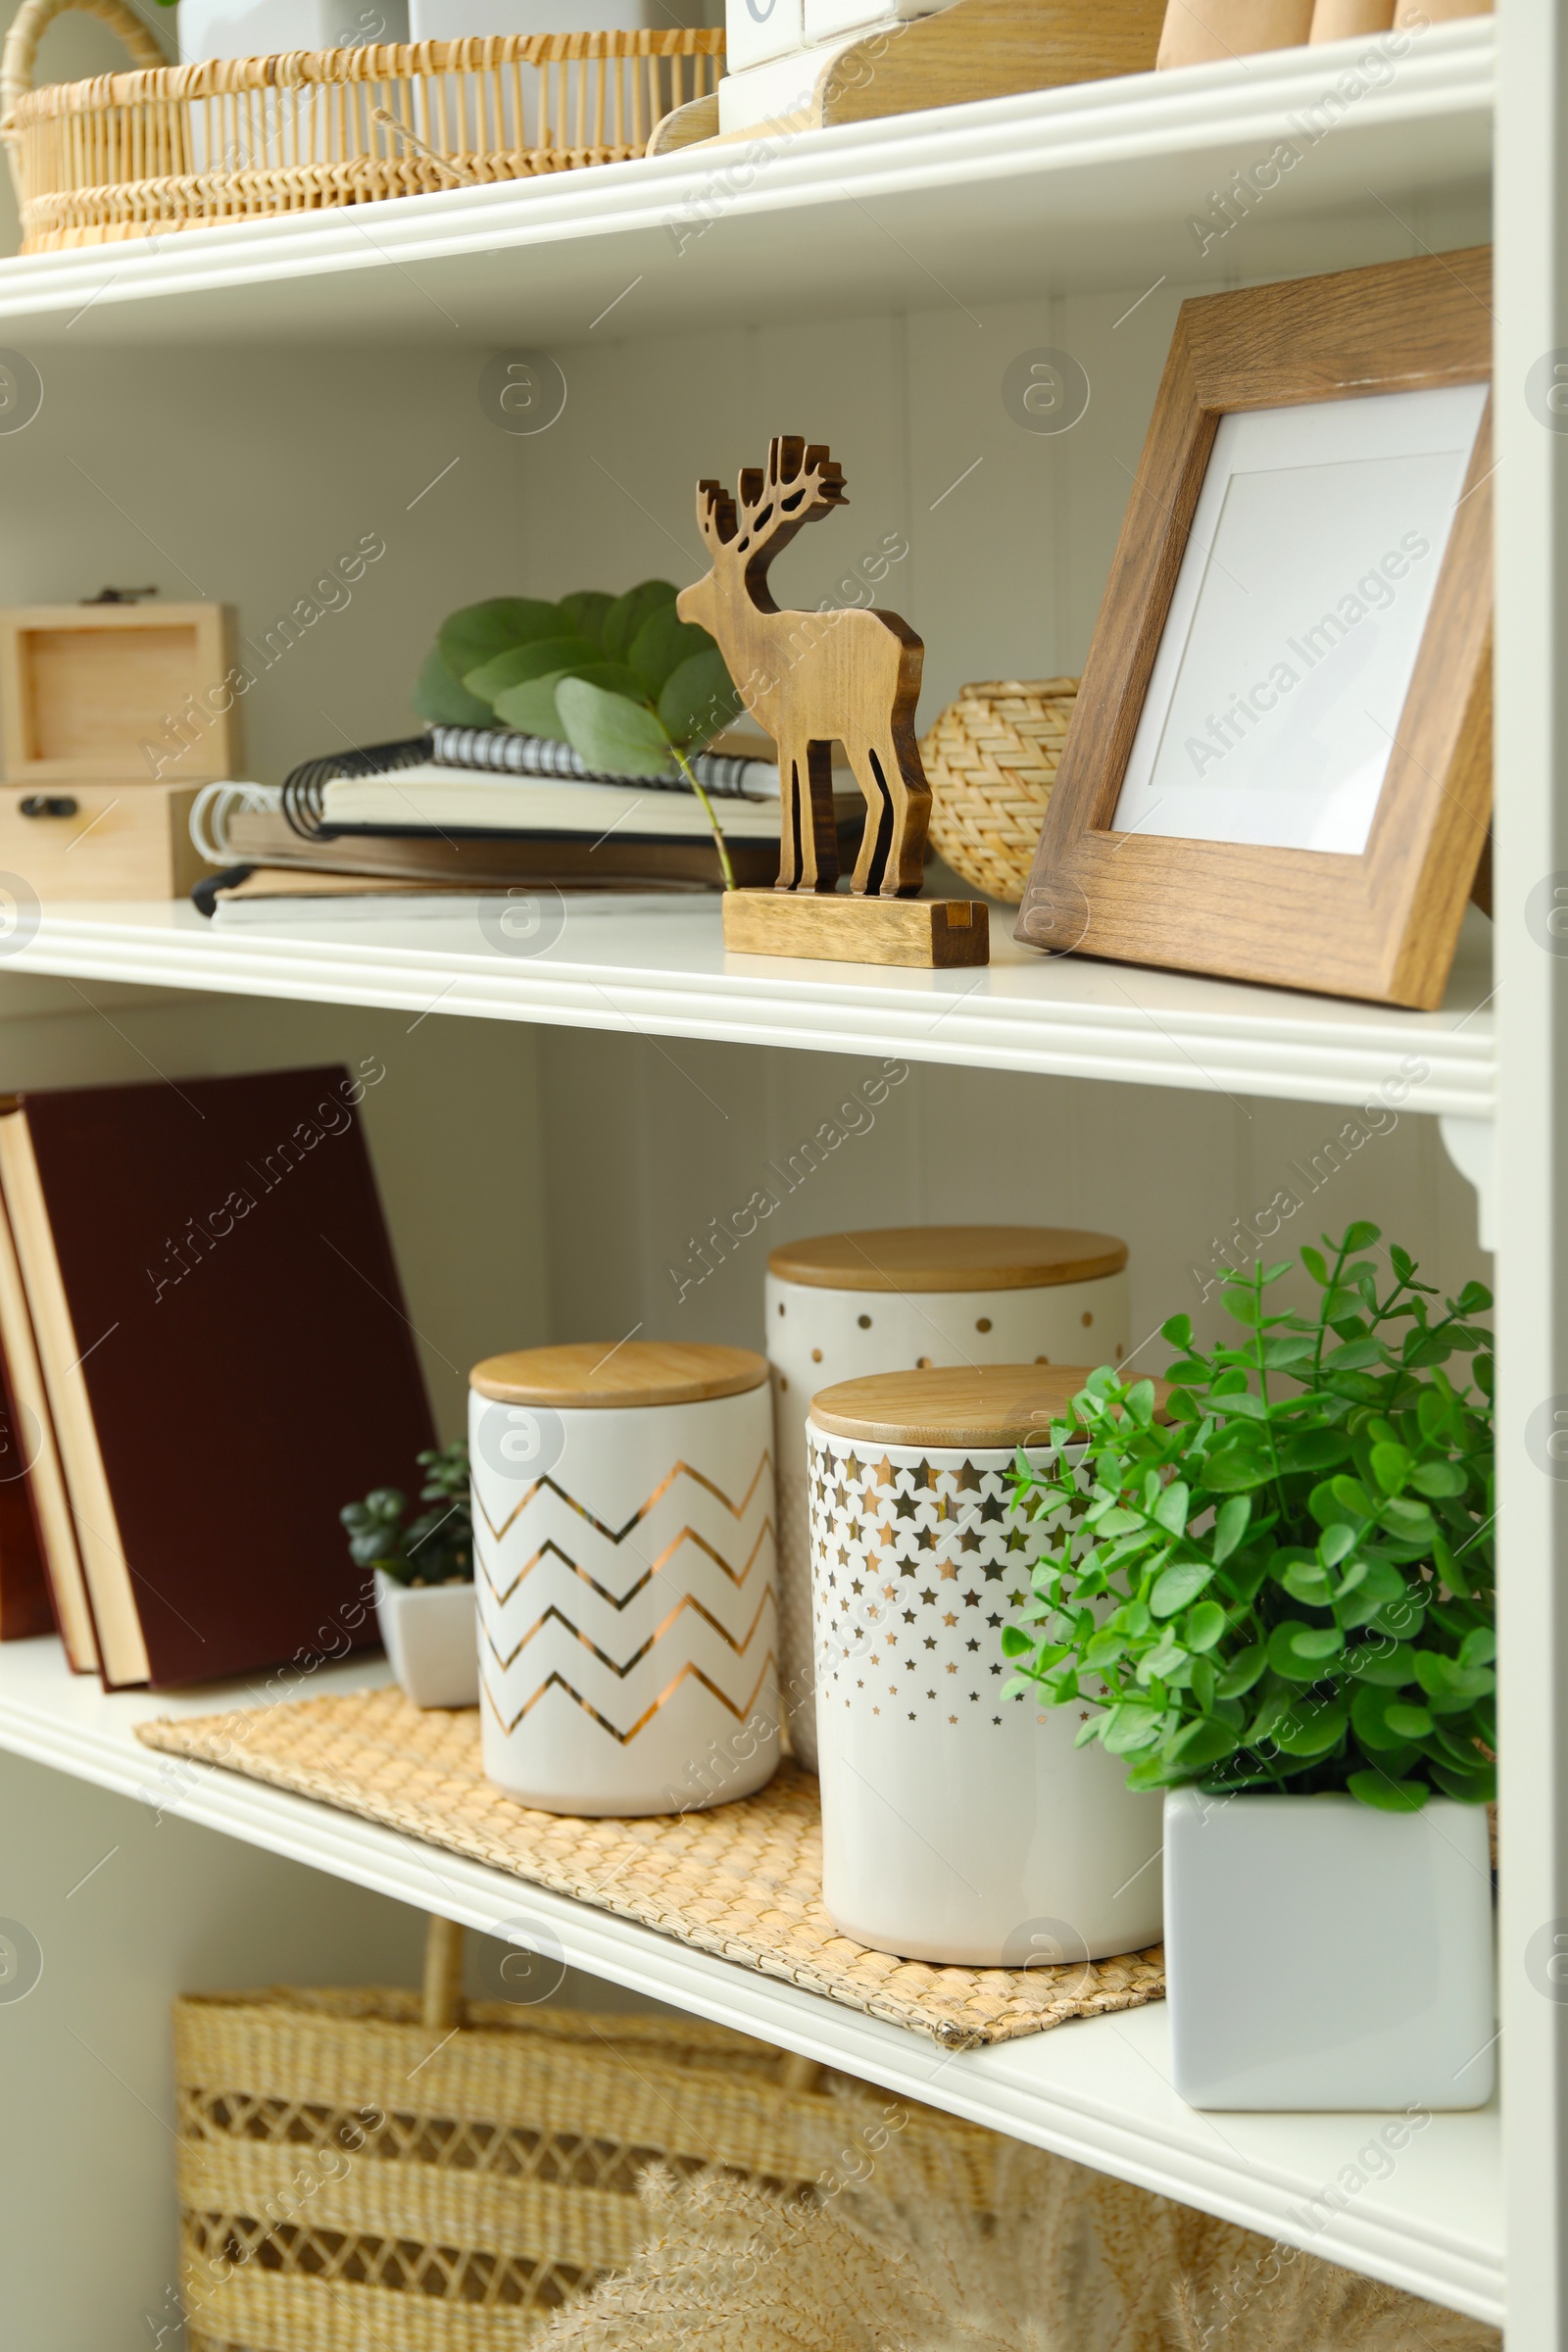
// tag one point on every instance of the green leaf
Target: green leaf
(531, 707)
(628, 613)
(1312, 1261)
(1389, 1797)
(662, 643)
(1439, 1479)
(519, 663)
(1199, 1745)
(1386, 1665)
(1229, 1526)
(1243, 1672)
(1305, 1582)
(479, 631)
(1298, 1651)
(1204, 1626)
(1391, 1467)
(1336, 1541)
(585, 612)
(1468, 1789)
(442, 698)
(1235, 1470)
(1360, 1236)
(1178, 1332)
(1179, 1585)
(1170, 1511)
(1015, 1643)
(610, 732)
(1479, 1646)
(1407, 1722)
(1313, 1449)
(1369, 1717)
(698, 701)
(1130, 1727)
(1312, 1729)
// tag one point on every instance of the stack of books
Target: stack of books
(206, 1355)
(471, 809)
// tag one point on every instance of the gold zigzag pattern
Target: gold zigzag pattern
(687, 1601)
(619, 1535)
(559, 1682)
(655, 1567)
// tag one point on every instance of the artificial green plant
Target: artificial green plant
(1283, 1578)
(436, 1548)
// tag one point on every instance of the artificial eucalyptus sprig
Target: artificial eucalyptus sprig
(634, 689)
(436, 1548)
(1283, 1576)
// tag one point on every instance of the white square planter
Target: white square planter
(1321, 1954)
(269, 28)
(430, 1633)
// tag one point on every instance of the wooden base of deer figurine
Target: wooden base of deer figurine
(810, 680)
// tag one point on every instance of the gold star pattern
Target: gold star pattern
(949, 1618)
(948, 1573)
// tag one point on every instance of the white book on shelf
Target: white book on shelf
(464, 800)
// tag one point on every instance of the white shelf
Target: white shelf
(665, 973)
(1097, 2090)
(1093, 186)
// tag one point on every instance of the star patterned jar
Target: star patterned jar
(841, 1306)
(959, 1825)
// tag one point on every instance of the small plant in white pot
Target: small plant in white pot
(1279, 1608)
(424, 1602)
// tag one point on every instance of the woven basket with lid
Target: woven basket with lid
(175, 147)
(991, 760)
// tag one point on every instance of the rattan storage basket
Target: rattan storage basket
(174, 147)
(991, 760)
(357, 2168)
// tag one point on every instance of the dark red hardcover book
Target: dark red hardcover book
(25, 1606)
(226, 1355)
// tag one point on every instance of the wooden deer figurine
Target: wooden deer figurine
(812, 679)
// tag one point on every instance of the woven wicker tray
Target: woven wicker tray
(743, 1880)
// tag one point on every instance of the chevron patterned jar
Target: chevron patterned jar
(623, 1513)
(957, 1825)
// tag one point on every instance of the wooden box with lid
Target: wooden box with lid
(623, 1516)
(959, 1825)
(112, 715)
(843, 1304)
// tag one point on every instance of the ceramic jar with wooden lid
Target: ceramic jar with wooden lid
(624, 1514)
(849, 1303)
(958, 1826)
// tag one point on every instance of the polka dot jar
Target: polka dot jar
(849, 1304)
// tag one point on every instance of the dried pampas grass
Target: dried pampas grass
(893, 2252)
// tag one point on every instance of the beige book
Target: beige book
(50, 1500)
(122, 1649)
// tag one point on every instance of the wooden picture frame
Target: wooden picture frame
(1381, 924)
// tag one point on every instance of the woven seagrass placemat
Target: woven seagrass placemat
(742, 1880)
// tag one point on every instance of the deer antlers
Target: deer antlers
(800, 484)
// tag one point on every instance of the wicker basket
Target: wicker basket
(356, 2168)
(136, 155)
(991, 760)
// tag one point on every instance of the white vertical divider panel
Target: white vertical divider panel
(1532, 738)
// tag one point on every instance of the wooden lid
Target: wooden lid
(948, 1258)
(592, 1372)
(987, 1405)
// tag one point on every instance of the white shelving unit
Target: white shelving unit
(231, 400)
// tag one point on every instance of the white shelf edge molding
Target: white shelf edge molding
(1472, 1145)
(1120, 168)
(666, 975)
(1418, 2205)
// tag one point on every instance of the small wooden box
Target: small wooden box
(117, 841)
(124, 694)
